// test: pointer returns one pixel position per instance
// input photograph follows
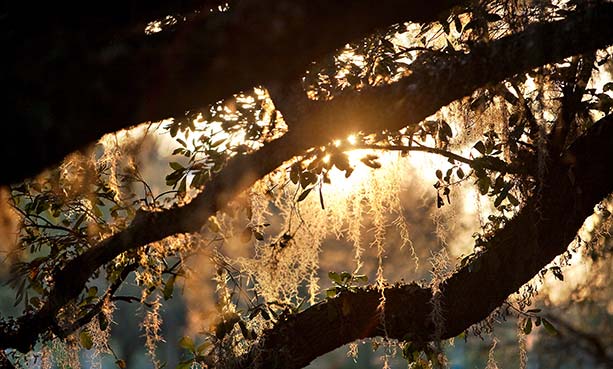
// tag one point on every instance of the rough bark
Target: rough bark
(457, 76)
(67, 87)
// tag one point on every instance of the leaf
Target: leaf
(307, 178)
(528, 326)
(479, 146)
(484, 183)
(345, 277)
(513, 200)
(334, 277)
(103, 321)
(557, 272)
(294, 173)
(371, 162)
(458, 24)
(304, 194)
(499, 199)
(331, 292)
(176, 166)
(439, 174)
(86, 340)
(549, 327)
(445, 130)
(218, 142)
(169, 287)
(460, 173)
(187, 343)
(493, 17)
(183, 185)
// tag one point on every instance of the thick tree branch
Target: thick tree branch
(67, 90)
(542, 230)
(390, 107)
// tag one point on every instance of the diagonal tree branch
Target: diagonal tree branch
(542, 230)
(389, 107)
(68, 89)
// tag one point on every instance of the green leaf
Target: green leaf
(528, 326)
(86, 340)
(176, 166)
(345, 277)
(103, 321)
(169, 287)
(331, 292)
(549, 327)
(187, 343)
(183, 185)
(334, 277)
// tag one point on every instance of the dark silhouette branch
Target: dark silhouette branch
(68, 88)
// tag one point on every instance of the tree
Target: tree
(86, 73)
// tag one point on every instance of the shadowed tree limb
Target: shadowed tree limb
(542, 230)
(67, 89)
(409, 101)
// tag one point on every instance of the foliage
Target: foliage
(258, 261)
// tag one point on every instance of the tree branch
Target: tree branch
(483, 164)
(67, 90)
(542, 230)
(429, 87)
